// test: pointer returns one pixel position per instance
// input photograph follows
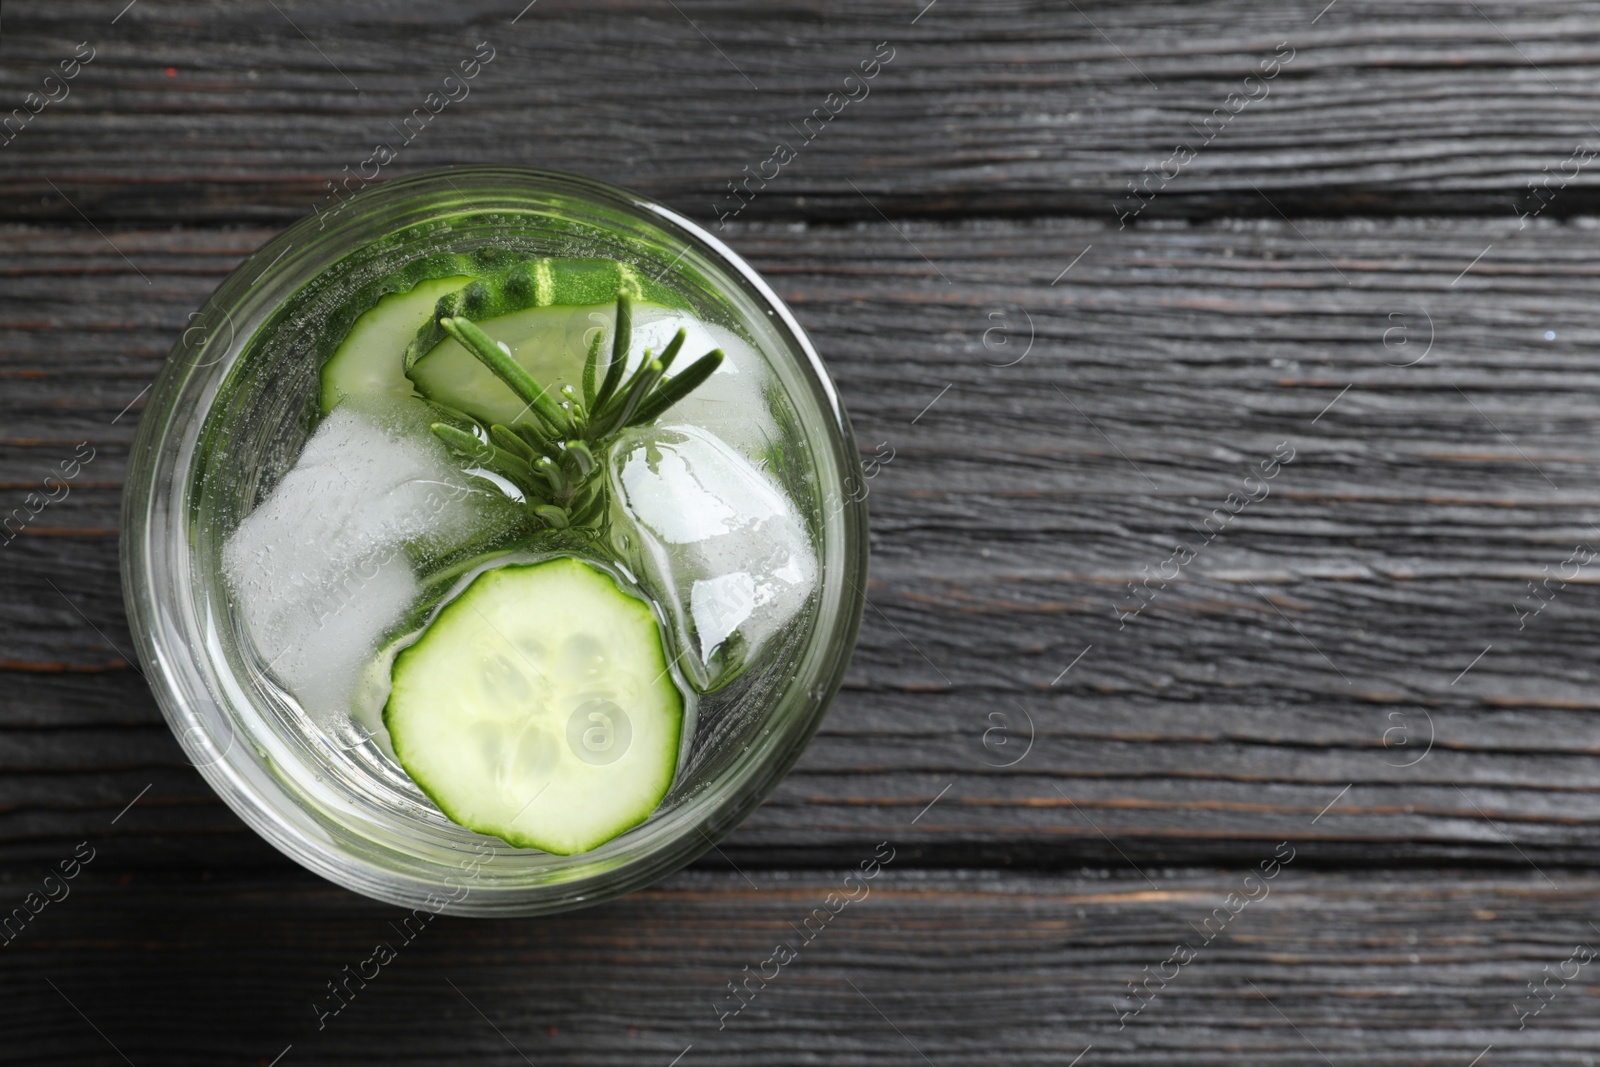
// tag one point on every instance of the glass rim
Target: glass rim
(168, 628)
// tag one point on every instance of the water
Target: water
(329, 571)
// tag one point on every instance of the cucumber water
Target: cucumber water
(507, 567)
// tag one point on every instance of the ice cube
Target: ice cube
(712, 539)
(316, 645)
(322, 569)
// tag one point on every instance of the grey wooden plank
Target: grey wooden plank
(1016, 107)
(922, 967)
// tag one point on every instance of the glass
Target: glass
(228, 415)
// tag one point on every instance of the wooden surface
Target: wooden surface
(1342, 272)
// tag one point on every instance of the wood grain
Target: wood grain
(1317, 643)
(948, 968)
(1351, 667)
(225, 113)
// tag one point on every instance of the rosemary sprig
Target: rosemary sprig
(552, 458)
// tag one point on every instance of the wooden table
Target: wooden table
(1363, 237)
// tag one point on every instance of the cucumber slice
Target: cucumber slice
(364, 297)
(368, 360)
(539, 707)
(549, 342)
(539, 283)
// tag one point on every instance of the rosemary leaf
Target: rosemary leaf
(552, 473)
(499, 459)
(680, 386)
(577, 415)
(673, 346)
(583, 457)
(621, 341)
(511, 442)
(553, 515)
(591, 371)
(623, 409)
(463, 442)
